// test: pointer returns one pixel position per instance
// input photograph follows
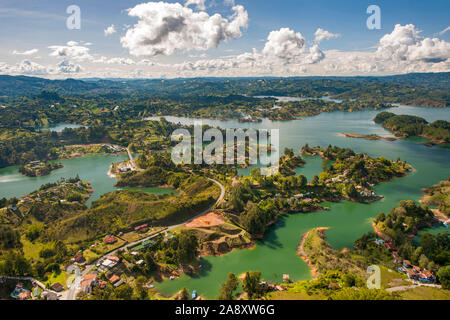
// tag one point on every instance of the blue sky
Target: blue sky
(26, 25)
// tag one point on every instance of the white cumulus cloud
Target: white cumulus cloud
(288, 46)
(163, 28)
(72, 51)
(66, 66)
(199, 4)
(322, 34)
(285, 44)
(110, 30)
(405, 43)
(25, 67)
(25, 53)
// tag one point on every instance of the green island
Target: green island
(367, 136)
(146, 228)
(405, 126)
(39, 168)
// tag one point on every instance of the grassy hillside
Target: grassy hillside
(122, 210)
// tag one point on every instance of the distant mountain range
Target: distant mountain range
(13, 86)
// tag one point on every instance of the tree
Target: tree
(34, 231)
(380, 217)
(351, 191)
(124, 292)
(251, 284)
(61, 250)
(150, 264)
(315, 180)
(187, 247)
(444, 277)
(141, 287)
(423, 261)
(289, 152)
(364, 240)
(428, 243)
(255, 173)
(9, 238)
(15, 265)
(184, 294)
(228, 288)
(324, 164)
(301, 181)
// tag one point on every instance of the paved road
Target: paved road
(133, 164)
(75, 288)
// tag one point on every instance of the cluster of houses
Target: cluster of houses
(300, 196)
(51, 194)
(90, 281)
(112, 148)
(109, 266)
(20, 292)
(365, 192)
(270, 286)
(413, 272)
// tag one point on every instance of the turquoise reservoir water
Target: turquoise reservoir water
(276, 254)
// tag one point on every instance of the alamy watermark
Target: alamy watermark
(374, 280)
(374, 20)
(239, 147)
(74, 20)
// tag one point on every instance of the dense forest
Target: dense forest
(407, 126)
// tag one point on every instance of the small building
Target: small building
(102, 284)
(119, 283)
(142, 228)
(88, 282)
(24, 295)
(412, 274)
(114, 258)
(49, 295)
(407, 264)
(140, 262)
(114, 279)
(108, 264)
(110, 240)
(79, 258)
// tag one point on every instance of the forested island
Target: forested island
(39, 168)
(405, 126)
